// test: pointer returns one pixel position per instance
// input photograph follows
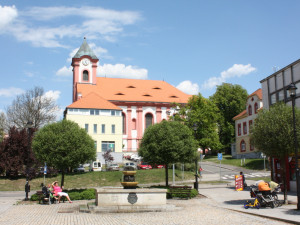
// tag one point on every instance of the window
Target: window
(249, 110)
(149, 120)
(103, 128)
(243, 146)
(239, 129)
(124, 123)
(280, 95)
(92, 112)
(86, 126)
(134, 124)
(113, 112)
(113, 128)
(251, 145)
(95, 144)
(108, 145)
(255, 107)
(85, 76)
(244, 128)
(273, 98)
(95, 128)
(97, 112)
(250, 125)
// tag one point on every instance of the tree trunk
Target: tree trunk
(167, 175)
(283, 176)
(62, 178)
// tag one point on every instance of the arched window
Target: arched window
(243, 146)
(255, 107)
(134, 124)
(124, 123)
(85, 76)
(249, 110)
(149, 120)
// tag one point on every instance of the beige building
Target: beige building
(103, 122)
(243, 148)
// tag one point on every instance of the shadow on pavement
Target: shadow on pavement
(293, 211)
(236, 202)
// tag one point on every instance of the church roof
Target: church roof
(134, 90)
(93, 101)
(85, 50)
(258, 93)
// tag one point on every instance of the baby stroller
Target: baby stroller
(264, 196)
(49, 198)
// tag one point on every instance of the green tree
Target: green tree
(63, 145)
(205, 114)
(230, 100)
(168, 142)
(273, 135)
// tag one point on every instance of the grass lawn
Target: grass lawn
(252, 164)
(95, 179)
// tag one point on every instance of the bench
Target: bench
(43, 199)
(179, 191)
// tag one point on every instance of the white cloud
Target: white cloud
(237, 70)
(122, 71)
(10, 92)
(64, 71)
(52, 94)
(7, 15)
(188, 87)
(95, 23)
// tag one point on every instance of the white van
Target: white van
(96, 166)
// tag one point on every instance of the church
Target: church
(116, 111)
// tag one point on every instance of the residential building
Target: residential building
(274, 89)
(243, 123)
(137, 104)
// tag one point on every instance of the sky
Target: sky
(194, 45)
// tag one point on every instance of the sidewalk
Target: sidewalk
(226, 197)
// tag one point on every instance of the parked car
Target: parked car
(131, 164)
(113, 167)
(158, 166)
(96, 166)
(144, 166)
(135, 158)
(79, 169)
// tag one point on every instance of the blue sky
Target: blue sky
(193, 45)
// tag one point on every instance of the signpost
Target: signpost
(220, 158)
(239, 183)
(45, 172)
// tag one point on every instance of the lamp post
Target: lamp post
(29, 126)
(195, 127)
(292, 91)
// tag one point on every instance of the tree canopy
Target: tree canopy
(2, 126)
(33, 105)
(205, 114)
(231, 100)
(168, 142)
(273, 134)
(16, 153)
(63, 145)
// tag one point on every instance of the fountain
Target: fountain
(129, 198)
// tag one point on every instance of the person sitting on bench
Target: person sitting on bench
(58, 192)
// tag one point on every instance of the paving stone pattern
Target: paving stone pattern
(194, 211)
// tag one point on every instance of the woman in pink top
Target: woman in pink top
(58, 192)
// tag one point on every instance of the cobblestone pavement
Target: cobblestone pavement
(194, 211)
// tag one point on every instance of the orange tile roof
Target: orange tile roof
(93, 101)
(258, 92)
(240, 115)
(118, 89)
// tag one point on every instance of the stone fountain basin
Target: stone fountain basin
(130, 173)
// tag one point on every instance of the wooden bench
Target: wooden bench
(44, 200)
(180, 191)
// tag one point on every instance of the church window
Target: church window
(149, 119)
(124, 123)
(85, 76)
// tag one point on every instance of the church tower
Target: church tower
(84, 65)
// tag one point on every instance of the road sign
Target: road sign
(220, 156)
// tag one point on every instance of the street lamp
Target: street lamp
(29, 127)
(292, 91)
(195, 127)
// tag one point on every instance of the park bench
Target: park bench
(179, 192)
(42, 198)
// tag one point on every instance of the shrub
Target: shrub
(34, 197)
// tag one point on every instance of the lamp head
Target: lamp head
(292, 90)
